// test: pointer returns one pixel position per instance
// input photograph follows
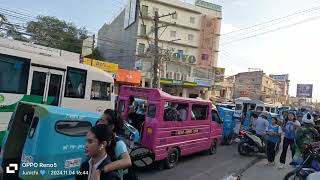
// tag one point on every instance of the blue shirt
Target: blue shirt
(290, 129)
(261, 126)
(274, 138)
(120, 148)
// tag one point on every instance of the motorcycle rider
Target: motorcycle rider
(307, 134)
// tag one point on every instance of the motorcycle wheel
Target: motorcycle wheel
(293, 175)
(241, 148)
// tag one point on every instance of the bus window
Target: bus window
(14, 74)
(76, 83)
(100, 91)
(268, 109)
(200, 112)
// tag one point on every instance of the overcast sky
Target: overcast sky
(293, 49)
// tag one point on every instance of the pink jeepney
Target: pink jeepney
(173, 126)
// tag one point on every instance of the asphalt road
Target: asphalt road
(227, 161)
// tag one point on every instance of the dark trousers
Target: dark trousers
(286, 143)
(271, 151)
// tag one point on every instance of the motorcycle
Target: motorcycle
(250, 143)
(309, 166)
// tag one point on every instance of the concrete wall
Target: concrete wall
(118, 45)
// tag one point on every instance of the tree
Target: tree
(95, 55)
(52, 32)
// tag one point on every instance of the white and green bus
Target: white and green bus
(35, 77)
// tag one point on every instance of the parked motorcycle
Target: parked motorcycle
(250, 143)
(310, 165)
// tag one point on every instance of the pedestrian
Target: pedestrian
(273, 139)
(261, 125)
(288, 140)
(253, 118)
(119, 155)
(99, 141)
(306, 135)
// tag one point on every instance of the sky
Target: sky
(291, 49)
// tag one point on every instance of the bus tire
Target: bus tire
(213, 147)
(172, 158)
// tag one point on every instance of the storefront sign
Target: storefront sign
(205, 83)
(219, 74)
(282, 77)
(127, 76)
(105, 66)
(178, 83)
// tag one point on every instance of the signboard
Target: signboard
(105, 66)
(304, 90)
(205, 83)
(282, 77)
(219, 74)
(130, 13)
(208, 5)
(180, 56)
(127, 76)
(178, 83)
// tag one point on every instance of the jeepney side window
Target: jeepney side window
(175, 111)
(238, 107)
(152, 109)
(200, 112)
(73, 128)
(100, 91)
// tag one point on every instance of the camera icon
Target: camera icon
(12, 168)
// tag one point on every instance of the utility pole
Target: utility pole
(157, 59)
(92, 47)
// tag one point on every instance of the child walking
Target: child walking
(273, 138)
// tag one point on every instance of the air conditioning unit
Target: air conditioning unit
(170, 75)
(162, 74)
(184, 77)
(178, 76)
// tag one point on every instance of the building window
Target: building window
(100, 91)
(76, 83)
(174, 16)
(192, 20)
(143, 30)
(155, 9)
(144, 10)
(190, 37)
(14, 74)
(141, 48)
(173, 33)
(205, 57)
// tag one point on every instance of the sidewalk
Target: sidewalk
(262, 172)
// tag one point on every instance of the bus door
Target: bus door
(46, 85)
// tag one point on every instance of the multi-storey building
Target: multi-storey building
(188, 41)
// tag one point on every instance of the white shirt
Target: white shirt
(183, 114)
(95, 165)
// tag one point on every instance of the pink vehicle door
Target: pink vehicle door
(216, 131)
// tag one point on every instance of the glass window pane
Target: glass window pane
(152, 111)
(14, 74)
(199, 112)
(76, 83)
(73, 128)
(100, 91)
(38, 83)
(54, 90)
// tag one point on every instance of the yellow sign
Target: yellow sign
(106, 66)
